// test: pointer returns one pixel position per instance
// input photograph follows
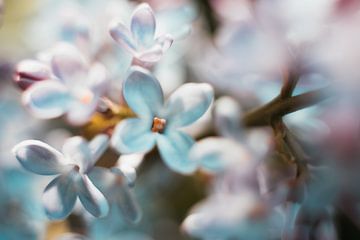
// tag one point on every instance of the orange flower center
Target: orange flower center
(158, 125)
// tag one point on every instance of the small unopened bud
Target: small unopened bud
(28, 72)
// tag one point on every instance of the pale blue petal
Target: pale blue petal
(47, 99)
(38, 157)
(174, 149)
(228, 118)
(188, 103)
(143, 93)
(217, 154)
(121, 34)
(59, 196)
(98, 146)
(143, 25)
(125, 199)
(91, 197)
(128, 172)
(133, 135)
(77, 150)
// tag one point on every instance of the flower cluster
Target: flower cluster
(249, 125)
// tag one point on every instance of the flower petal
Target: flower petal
(38, 157)
(217, 154)
(97, 78)
(121, 34)
(69, 64)
(80, 113)
(28, 72)
(98, 146)
(76, 149)
(91, 198)
(125, 199)
(228, 118)
(150, 55)
(188, 103)
(143, 25)
(143, 93)
(59, 196)
(133, 135)
(174, 148)
(165, 42)
(47, 99)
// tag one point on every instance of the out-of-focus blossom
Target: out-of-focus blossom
(27, 72)
(72, 167)
(74, 88)
(158, 121)
(141, 40)
(115, 184)
(15, 186)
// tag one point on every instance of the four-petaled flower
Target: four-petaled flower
(140, 40)
(72, 167)
(159, 122)
(74, 88)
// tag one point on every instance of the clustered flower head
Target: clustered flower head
(236, 118)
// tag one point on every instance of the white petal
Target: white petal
(91, 198)
(47, 99)
(59, 197)
(188, 103)
(121, 34)
(38, 157)
(143, 25)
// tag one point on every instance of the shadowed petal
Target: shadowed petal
(69, 64)
(97, 78)
(91, 198)
(165, 42)
(80, 113)
(98, 146)
(228, 118)
(47, 99)
(143, 25)
(59, 196)
(143, 93)
(150, 55)
(188, 103)
(174, 148)
(133, 135)
(121, 34)
(125, 199)
(76, 149)
(38, 157)
(217, 154)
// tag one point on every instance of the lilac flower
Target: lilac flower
(140, 40)
(158, 122)
(74, 88)
(72, 167)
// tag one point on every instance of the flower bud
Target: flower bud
(28, 72)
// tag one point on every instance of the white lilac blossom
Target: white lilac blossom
(74, 88)
(159, 122)
(141, 40)
(72, 167)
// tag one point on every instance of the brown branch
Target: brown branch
(279, 107)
